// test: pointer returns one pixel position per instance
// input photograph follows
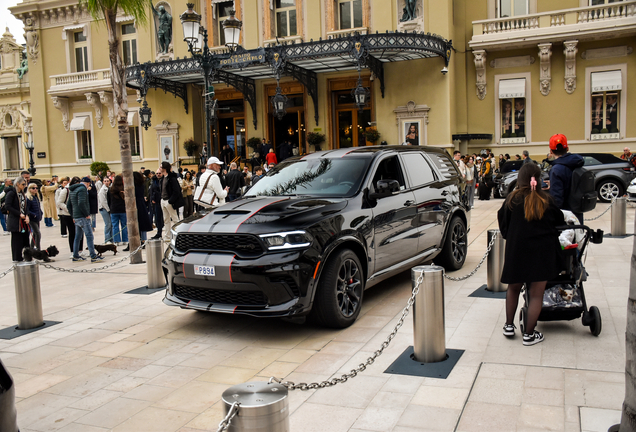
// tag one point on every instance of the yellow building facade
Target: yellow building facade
(519, 71)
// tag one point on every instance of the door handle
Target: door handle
(409, 203)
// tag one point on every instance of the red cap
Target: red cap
(558, 140)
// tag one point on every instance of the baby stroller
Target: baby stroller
(564, 298)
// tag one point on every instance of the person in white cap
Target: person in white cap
(210, 190)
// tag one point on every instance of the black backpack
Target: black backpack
(582, 191)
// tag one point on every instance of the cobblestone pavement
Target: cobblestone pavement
(129, 363)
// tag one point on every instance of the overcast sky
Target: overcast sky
(7, 20)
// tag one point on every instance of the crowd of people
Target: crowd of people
(162, 197)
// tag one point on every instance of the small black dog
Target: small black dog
(30, 254)
(100, 249)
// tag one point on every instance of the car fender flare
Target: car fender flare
(331, 248)
(455, 212)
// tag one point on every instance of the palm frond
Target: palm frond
(138, 9)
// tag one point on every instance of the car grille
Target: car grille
(242, 298)
(289, 281)
(244, 245)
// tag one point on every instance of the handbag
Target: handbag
(203, 191)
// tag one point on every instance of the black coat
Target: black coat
(155, 190)
(533, 252)
(142, 215)
(175, 196)
(116, 203)
(92, 199)
(12, 203)
(235, 181)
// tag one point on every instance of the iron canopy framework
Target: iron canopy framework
(302, 61)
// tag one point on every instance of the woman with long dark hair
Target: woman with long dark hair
(18, 218)
(187, 188)
(117, 204)
(527, 220)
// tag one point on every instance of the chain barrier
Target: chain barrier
(225, 423)
(363, 366)
(6, 272)
(94, 269)
(606, 210)
(472, 273)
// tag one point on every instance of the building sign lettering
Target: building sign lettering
(244, 59)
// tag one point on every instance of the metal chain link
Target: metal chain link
(94, 269)
(225, 423)
(606, 210)
(6, 272)
(363, 366)
(472, 273)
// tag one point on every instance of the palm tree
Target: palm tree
(107, 10)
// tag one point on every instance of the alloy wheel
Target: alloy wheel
(349, 288)
(609, 191)
(458, 242)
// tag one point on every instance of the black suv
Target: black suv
(318, 230)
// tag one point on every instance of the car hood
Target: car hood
(255, 214)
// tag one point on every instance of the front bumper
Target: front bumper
(274, 285)
(631, 192)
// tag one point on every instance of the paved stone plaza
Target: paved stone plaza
(129, 363)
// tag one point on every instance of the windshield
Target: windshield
(511, 166)
(322, 177)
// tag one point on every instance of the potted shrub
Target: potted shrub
(190, 146)
(96, 167)
(253, 143)
(315, 139)
(372, 135)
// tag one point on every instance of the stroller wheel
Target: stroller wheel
(596, 323)
(523, 316)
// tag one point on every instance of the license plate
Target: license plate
(204, 270)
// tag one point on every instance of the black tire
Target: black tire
(339, 293)
(453, 254)
(596, 324)
(608, 190)
(523, 318)
(495, 191)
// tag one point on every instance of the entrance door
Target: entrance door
(351, 123)
(11, 153)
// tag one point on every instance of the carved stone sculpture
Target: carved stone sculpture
(480, 67)
(164, 28)
(32, 39)
(106, 98)
(94, 100)
(61, 103)
(570, 50)
(24, 68)
(545, 78)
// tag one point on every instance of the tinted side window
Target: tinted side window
(590, 161)
(389, 169)
(418, 169)
(445, 164)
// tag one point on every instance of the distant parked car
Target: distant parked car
(506, 180)
(613, 174)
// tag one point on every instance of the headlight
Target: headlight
(633, 182)
(286, 240)
(173, 242)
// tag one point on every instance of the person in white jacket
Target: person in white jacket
(104, 210)
(210, 190)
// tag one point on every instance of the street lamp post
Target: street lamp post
(28, 144)
(196, 37)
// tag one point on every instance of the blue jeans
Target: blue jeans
(83, 227)
(3, 221)
(116, 219)
(142, 235)
(94, 220)
(108, 226)
(48, 222)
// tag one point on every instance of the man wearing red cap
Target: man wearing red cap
(561, 173)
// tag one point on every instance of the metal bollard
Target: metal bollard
(264, 407)
(495, 262)
(154, 252)
(619, 217)
(428, 315)
(27, 295)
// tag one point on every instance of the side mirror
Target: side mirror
(385, 188)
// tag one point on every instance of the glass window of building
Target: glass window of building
(135, 142)
(605, 103)
(602, 2)
(84, 144)
(223, 12)
(349, 14)
(351, 123)
(512, 106)
(81, 52)
(285, 18)
(510, 8)
(129, 43)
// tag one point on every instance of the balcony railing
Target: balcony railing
(80, 81)
(561, 21)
